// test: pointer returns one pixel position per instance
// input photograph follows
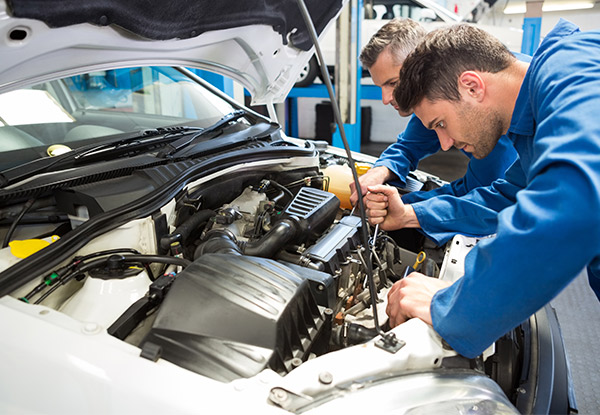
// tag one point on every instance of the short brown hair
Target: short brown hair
(401, 35)
(432, 70)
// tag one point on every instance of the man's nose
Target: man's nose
(446, 142)
(387, 95)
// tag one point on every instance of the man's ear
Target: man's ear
(471, 85)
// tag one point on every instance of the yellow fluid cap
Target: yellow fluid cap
(361, 168)
(24, 248)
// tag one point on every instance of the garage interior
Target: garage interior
(577, 307)
(307, 113)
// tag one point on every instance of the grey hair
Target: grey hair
(400, 35)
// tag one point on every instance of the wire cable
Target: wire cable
(80, 267)
(13, 226)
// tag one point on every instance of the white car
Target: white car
(167, 250)
(427, 12)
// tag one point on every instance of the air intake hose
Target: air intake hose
(279, 236)
(308, 215)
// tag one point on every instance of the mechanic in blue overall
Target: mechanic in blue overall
(548, 228)
(383, 57)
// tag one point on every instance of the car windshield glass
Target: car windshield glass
(92, 107)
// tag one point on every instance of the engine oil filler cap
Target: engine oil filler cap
(24, 248)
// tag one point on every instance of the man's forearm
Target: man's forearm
(409, 218)
(382, 173)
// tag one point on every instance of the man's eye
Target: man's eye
(440, 124)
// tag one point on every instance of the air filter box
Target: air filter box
(230, 316)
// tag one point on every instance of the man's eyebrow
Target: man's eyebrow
(431, 123)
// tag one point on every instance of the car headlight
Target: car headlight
(440, 392)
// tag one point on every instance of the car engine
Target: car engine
(244, 272)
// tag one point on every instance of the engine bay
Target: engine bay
(238, 274)
(241, 271)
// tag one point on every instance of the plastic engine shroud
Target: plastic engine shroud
(229, 316)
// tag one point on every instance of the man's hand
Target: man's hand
(374, 176)
(411, 297)
(384, 207)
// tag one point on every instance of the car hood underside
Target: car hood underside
(181, 19)
(263, 44)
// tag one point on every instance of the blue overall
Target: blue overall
(437, 216)
(548, 228)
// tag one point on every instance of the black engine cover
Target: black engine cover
(229, 316)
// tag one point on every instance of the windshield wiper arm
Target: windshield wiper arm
(162, 132)
(175, 146)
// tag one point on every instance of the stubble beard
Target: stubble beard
(484, 129)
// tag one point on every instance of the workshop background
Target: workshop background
(307, 114)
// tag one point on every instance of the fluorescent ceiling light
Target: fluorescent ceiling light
(556, 6)
(515, 8)
(31, 106)
(518, 7)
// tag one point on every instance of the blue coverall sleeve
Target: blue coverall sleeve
(480, 172)
(553, 231)
(474, 214)
(413, 144)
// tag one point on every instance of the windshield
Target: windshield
(89, 108)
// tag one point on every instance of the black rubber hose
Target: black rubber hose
(13, 226)
(282, 188)
(299, 260)
(279, 236)
(268, 246)
(350, 334)
(358, 334)
(221, 242)
(163, 259)
(184, 230)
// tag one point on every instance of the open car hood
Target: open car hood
(262, 44)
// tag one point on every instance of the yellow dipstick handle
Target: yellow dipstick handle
(420, 258)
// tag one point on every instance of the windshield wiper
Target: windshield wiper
(175, 146)
(144, 138)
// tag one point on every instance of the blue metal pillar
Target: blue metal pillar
(532, 27)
